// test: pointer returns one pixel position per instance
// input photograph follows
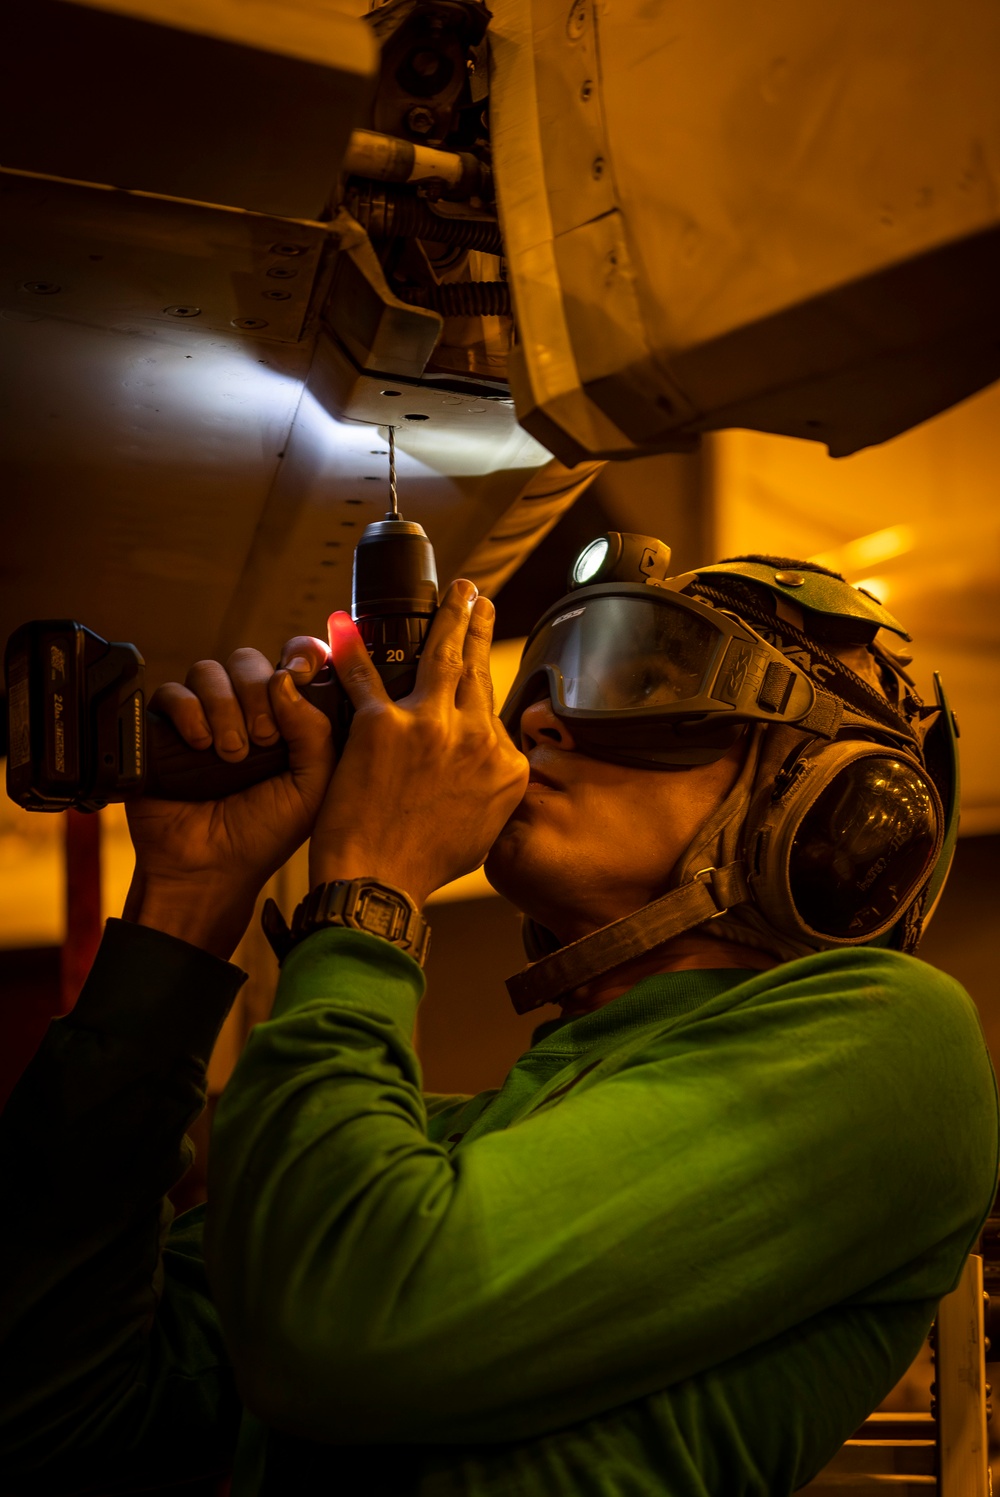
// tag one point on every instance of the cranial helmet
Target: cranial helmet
(841, 826)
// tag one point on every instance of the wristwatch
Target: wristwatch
(354, 904)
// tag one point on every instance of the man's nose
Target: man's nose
(539, 724)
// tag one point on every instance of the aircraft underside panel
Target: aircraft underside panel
(715, 215)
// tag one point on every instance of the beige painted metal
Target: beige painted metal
(155, 417)
(960, 1373)
(548, 378)
(99, 257)
(136, 463)
(248, 103)
(818, 145)
(698, 204)
(310, 30)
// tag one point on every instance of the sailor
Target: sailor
(701, 1229)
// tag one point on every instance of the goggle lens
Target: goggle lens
(617, 654)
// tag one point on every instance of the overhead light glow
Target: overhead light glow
(868, 550)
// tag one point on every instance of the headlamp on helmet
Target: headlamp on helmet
(617, 556)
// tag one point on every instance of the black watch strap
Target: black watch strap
(354, 904)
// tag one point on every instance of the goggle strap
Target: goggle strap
(824, 716)
(739, 599)
(710, 893)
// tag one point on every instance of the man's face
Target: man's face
(593, 841)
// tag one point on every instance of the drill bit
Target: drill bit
(393, 513)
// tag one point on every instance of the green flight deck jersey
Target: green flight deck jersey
(684, 1250)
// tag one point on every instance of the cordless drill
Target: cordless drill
(79, 730)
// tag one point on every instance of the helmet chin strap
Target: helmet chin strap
(711, 892)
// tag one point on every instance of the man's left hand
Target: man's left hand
(425, 784)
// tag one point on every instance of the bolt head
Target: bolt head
(789, 579)
(420, 120)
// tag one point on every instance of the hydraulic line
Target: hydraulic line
(461, 298)
(391, 215)
(389, 159)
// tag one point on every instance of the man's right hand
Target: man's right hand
(200, 865)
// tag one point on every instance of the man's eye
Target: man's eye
(632, 684)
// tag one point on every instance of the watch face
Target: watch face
(382, 914)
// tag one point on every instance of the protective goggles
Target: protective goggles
(643, 675)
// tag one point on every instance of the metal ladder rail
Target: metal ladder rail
(942, 1453)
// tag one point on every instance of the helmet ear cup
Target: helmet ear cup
(845, 843)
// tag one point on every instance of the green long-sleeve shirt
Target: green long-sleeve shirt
(684, 1250)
